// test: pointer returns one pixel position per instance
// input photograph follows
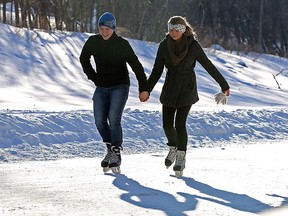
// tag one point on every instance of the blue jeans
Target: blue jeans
(108, 106)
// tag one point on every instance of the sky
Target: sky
(50, 151)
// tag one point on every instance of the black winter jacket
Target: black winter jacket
(110, 57)
(180, 87)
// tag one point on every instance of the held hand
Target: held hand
(144, 96)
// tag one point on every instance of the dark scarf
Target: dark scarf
(177, 50)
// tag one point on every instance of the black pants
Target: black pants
(174, 125)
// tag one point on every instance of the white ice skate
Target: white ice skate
(169, 160)
(179, 163)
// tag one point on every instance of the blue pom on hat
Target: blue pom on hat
(107, 19)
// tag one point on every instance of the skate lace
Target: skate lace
(180, 158)
(115, 155)
(172, 153)
(114, 158)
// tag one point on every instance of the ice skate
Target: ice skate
(179, 163)
(169, 160)
(105, 161)
(115, 160)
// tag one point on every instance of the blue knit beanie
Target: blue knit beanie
(107, 19)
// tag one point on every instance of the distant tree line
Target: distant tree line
(244, 25)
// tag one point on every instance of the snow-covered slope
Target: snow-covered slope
(41, 71)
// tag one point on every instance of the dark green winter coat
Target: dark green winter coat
(110, 57)
(180, 88)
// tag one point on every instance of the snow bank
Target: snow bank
(38, 135)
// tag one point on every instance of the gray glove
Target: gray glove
(220, 98)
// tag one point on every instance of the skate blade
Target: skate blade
(116, 170)
(106, 169)
(179, 173)
(168, 167)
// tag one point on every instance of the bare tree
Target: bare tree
(246, 25)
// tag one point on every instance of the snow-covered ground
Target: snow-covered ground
(50, 150)
(237, 180)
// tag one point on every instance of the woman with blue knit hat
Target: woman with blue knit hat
(111, 78)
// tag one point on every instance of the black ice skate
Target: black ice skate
(115, 160)
(179, 163)
(105, 161)
(169, 160)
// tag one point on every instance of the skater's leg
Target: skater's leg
(168, 114)
(182, 137)
(101, 105)
(118, 98)
(101, 110)
(180, 125)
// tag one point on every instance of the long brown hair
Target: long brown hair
(182, 20)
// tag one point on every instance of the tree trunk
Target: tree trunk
(17, 19)
(259, 44)
(4, 11)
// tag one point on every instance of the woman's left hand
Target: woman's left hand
(227, 92)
